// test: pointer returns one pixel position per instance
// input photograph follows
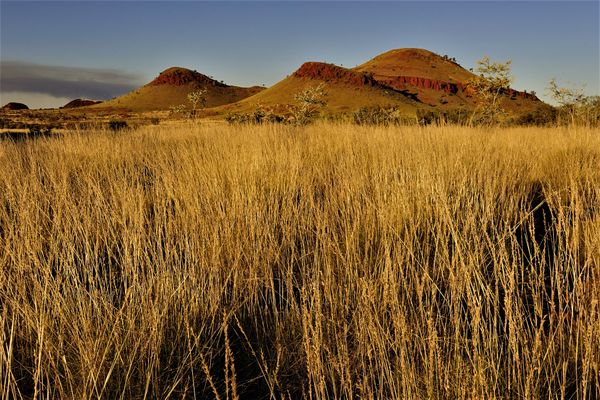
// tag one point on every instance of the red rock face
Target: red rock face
(333, 73)
(181, 76)
(425, 83)
(400, 82)
(15, 106)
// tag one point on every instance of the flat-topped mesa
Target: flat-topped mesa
(336, 74)
(400, 82)
(177, 76)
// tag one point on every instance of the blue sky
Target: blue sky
(53, 51)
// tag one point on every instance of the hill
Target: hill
(81, 103)
(415, 62)
(408, 79)
(171, 88)
(13, 106)
(437, 80)
(346, 90)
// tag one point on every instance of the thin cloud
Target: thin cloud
(65, 82)
(33, 100)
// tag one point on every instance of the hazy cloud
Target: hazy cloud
(65, 82)
(33, 100)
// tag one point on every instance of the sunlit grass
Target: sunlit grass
(332, 261)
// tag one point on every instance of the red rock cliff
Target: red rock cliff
(333, 73)
(400, 82)
(181, 76)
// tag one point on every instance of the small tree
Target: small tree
(493, 81)
(572, 101)
(198, 99)
(309, 101)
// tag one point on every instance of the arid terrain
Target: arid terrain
(403, 229)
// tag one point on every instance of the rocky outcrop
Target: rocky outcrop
(401, 82)
(522, 95)
(80, 103)
(12, 106)
(177, 76)
(333, 73)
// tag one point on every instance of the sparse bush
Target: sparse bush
(371, 116)
(378, 116)
(117, 125)
(541, 116)
(574, 106)
(457, 116)
(237, 118)
(256, 117)
(39, 130)
(178, 109)
(428, 117)
(261, 115)
(197, 98)
(393, 116)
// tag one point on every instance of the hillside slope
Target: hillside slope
(346, 90)
(171, 88)
(408, 79)
(437, 80)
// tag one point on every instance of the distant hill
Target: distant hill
(436, 80)
(12, 106)
(408, 79)
(346, 89)
(81, 103)
(171, 88)
(415, 62)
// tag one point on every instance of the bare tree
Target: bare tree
(309, 101)
(493, 79)
(198, 99)
(571, 101)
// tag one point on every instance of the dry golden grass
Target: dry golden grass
(328, 262)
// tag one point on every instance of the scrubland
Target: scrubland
(327, 262)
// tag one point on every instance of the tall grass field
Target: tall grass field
(323, 262)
